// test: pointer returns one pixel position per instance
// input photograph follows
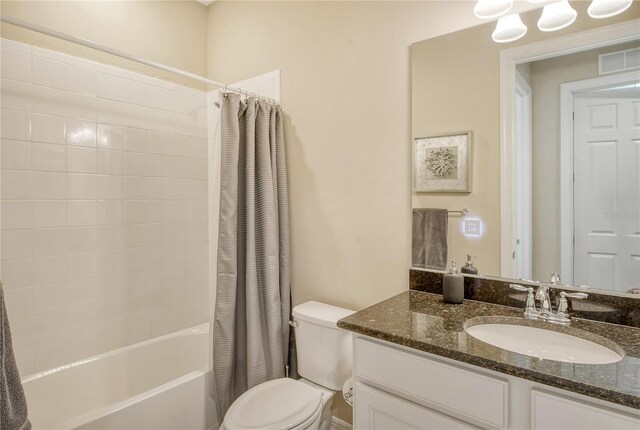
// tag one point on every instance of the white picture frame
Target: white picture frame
(442, 163)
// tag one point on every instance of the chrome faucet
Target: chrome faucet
(545, 302)
(545, 311)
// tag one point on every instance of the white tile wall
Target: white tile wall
(104, 206)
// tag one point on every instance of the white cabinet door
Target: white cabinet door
(607, 192)
(471, 395)
(375, 410)
(552, 412)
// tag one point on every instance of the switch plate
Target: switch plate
(472, 227)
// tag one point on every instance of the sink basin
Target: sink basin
(544, 344)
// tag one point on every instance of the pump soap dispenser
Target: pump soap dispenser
(453, 285)
(469, 267)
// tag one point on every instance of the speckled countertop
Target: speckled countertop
(423, 321)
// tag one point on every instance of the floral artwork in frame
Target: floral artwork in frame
(441, 164)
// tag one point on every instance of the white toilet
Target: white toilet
(324, 362)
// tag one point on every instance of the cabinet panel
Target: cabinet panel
(472, 395)
(553, 412)
(375, 410)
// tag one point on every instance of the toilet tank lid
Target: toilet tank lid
(320, 313)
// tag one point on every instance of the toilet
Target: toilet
(324, 362)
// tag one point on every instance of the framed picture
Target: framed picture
(441, 164)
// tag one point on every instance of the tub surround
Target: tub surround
(161, 388)
(599, 306)
(424, 322)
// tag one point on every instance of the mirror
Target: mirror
(549, 193)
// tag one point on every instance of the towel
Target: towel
(429, 238)
(13, 405)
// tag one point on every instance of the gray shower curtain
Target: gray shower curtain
(251, 319)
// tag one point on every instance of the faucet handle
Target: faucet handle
(518, 287)
(530, 305)
(573, 295)
(563, 304)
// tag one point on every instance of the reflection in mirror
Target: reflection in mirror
(597, 114)
(575, 183)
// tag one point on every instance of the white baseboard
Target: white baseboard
(343, 425)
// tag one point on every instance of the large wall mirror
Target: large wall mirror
(554, 168)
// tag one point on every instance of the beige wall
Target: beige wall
(546, 76)
(346, 92)
(456, 87)
(170, 32)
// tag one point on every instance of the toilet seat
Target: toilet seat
(280, 404)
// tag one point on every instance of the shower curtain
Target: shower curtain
(13, 404)
(251, 319)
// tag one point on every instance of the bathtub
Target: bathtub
(157, 384)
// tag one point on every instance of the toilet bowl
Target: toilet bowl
(324, 355)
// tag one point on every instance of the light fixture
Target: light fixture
(607, 8)
(556, 16)
(487, 9)
(509, 28)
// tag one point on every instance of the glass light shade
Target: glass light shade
(556, 16)
(487, 9)
(508, 29)
(607, 8)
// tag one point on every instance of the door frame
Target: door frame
(524, 161)
(509, 58)
(568, 91)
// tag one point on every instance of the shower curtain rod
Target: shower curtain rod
(118, 53)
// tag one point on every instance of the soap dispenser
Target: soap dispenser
(469, 267)
(453, 285)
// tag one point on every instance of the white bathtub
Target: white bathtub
(157, 384)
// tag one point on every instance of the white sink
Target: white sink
(544, 344)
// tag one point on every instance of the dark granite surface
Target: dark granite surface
(599, 306)
(423, 321)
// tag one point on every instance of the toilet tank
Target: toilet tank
(324, 351)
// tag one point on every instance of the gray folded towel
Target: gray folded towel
(13, 405)
(429, 238)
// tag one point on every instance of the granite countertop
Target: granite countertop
(424, 322)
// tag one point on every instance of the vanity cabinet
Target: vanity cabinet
(400, 388)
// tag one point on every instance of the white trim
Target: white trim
(567, 93)
(341, 424)
(602, 36)
(524, 183)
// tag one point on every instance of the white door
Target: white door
(607, 189)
